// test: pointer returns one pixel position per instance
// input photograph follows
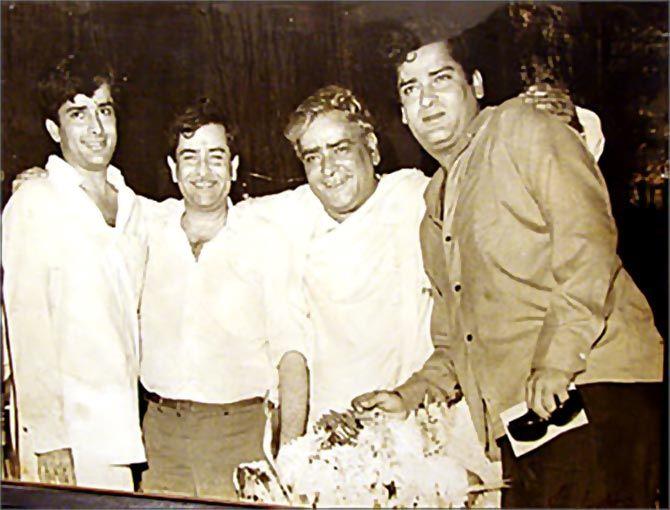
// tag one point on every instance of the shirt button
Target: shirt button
(582, 356)
(457, 287)
(469, 337)
(447, 238)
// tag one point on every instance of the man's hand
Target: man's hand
(56, 466)
(387, 401)
(551, 99)
(28, 175)
(343, 428)
(545, 389)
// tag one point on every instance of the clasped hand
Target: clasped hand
(546, 388)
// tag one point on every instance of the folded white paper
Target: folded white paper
(522, 447)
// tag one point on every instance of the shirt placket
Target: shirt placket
(450, 240)
(189, 329)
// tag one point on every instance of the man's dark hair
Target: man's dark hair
(204, 111)
(74, 74)
(481, 47)
(397, 44)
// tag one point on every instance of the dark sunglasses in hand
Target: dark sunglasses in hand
(531, 427)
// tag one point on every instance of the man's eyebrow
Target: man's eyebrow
(441, 69)
(339, 142)
(186, 151)
(310, 150)
(219, 149)
(75, 109)
(402, 83)
(106, 103)
(448, 67)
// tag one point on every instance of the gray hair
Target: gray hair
(327, 99)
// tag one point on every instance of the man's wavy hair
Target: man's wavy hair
(475, 48)
(327, 99)
(200, 113)
(81, 73)
(396, 45)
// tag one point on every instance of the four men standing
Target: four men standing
(517, 240)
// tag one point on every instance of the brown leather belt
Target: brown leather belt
(190, 404)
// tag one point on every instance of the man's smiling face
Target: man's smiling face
(87, 129)
(339, 159)
(204, 171)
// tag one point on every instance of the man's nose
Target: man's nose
(427, 97)
(203, 167)
(95, 125)
(328, 165)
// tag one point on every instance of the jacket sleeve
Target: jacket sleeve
(436, 380)
(571, 194)
(29, 291)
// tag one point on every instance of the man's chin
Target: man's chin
(206, 203)
(98, 162)
(334, 202)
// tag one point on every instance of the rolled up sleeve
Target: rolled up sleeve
(286, 314)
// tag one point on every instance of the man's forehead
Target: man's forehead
(211, 135)
(329, 127)
(425, 59)
(103, 94)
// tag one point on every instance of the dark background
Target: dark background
(260, 59)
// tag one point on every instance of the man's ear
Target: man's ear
(478, 84)
(373, 148)
(173, 168)
(234, 164)
(403, 113)
(53, 130)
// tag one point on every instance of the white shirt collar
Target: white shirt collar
(60, 171)
(65, 176)
(180, 208)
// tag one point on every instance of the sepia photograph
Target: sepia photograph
(334, 254)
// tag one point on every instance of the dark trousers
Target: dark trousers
(193, 450)
(613, 462)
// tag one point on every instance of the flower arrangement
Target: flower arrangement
(429, 459)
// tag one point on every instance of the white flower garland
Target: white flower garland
(421, 461)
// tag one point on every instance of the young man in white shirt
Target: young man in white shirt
(73, 257)
(219, 323)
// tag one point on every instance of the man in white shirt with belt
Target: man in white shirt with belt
(219, 323)
(73, 257)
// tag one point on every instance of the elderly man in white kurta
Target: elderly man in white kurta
(74, 254)
(356, 244)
